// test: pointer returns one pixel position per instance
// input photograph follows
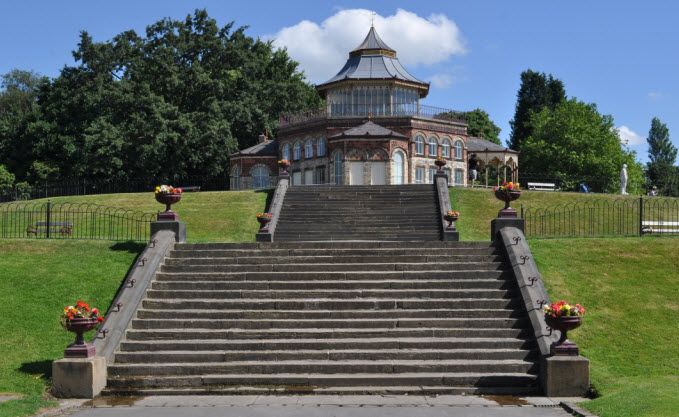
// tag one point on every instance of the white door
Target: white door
(308, 177)
(378, 173)
(297, 178)
(356, 173)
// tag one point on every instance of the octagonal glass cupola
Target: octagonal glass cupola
(373, 82)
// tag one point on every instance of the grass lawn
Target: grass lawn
(630, 288)
(40, 278)
(219, 216)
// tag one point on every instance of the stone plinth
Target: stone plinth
(497, 224)
(565, 376)
(79, 378)
(179, 229)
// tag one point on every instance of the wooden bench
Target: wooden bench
(64, 228)
(191, 188)
(659, 227)
(542, 186)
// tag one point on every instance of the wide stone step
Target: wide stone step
(277, 260)
(320, 366)
(442, 323)
(332, 245)
(250, 334)
(190, 356)
(317, 236)
(329, 304)
(327, 285)
(396, 252)
(472, 381)
(327, 314)
(342, 272)
(336, 294)
(401, 343)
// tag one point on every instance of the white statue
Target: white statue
(623, 180)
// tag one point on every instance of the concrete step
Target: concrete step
(260, 334)
(278, 260)
(329, 304)
(517, 382)
(404, 323)
(332, 245)
(191, 356)
(334, 294)
(394, 253)
(338, 285)
(321, 366)
(401, 343)
(327, 314)
(377, 272)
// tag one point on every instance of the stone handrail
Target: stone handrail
(275, 209)
(444, 206)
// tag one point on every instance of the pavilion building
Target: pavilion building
(373, 129)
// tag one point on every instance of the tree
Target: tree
(479, 124)
(662, 154)
(574, 140)
(176, 101)
(18, 97)
(537, 91)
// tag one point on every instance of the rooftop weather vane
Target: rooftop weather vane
(372, 19)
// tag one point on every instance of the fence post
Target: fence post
(48, 218)
(641, 215)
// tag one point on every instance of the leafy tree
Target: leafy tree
(537, 91)
(18, 97)
(176, 101)
(479, 124)
(574, 140)
(662, 154)
(6, 178)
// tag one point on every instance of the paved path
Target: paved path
(319, 406)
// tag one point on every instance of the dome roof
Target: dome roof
(373, 60)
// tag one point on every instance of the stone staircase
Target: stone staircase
(329, 317)
(359, 212)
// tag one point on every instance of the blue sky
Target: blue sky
(621, 54)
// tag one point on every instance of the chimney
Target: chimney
(262, 138)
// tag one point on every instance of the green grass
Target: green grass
(39, 279)
(220, 216)
(630, 288)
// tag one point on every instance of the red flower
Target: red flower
(80, 304)
(100, 319)
(95, 311)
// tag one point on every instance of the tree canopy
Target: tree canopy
(662, 154)
(480, 125)
(575, 140)
(537, 91)
(174, 101)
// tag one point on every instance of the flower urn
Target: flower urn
(507, 196)
(168, 199)
(263, 222)
(79, 348)
(563, 346)
(440, 163)
(451, 219)
(284, 165)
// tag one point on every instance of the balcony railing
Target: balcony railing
(345, 110)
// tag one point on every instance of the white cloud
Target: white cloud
(629, 137)
(654, 96)
(321, 49)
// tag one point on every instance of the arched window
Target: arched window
(298, 151)
(260, 177)
(419, 145)
(286, 151)
(458, 149)
(309, 149)
(445, 148)
(432, 146)
(321, 146)
(338, 168)
(235, 175)
(397, 168)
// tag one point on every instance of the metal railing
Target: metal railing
(604, 217)
(346, 110)
(73, 221)
(87, 186)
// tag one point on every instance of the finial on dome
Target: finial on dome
(372, 20)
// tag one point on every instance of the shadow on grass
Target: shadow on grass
(269, 196)
(42, 369)
(130, 246)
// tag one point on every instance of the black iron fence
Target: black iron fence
(84, 186)
(605, 217)
(73, 221)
